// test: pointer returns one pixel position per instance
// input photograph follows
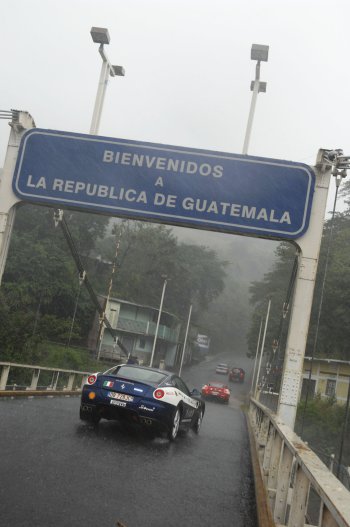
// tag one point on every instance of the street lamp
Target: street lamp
(256, 356)
(259, 53)
(101, 36)
(185, 341)
(158, 320)
(262, 348)
(82, 276)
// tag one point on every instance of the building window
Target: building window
(330, 388)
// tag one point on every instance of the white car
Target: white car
(222, 368)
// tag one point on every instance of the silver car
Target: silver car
(222, 368)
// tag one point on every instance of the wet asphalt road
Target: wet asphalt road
(56, 471)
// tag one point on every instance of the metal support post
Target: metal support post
(252, 109)
(35, 380)
(21, 121)
(4, 377)
(71, 380)
(100, 96)
(309, 245)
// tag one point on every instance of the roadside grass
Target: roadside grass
(322, 422)
(56, 355)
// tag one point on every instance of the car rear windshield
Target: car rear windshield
(137, 374)
(216, 385)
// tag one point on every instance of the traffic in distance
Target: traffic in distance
(149, 397)
(219, 391)
(216, 391)
(234, 374)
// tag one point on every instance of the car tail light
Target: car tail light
(92, 379)
(227, 392)
(158, 394)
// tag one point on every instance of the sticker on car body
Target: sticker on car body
(143, 407)
(173, 397)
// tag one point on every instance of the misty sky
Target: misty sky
(188, 71)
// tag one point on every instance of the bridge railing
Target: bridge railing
(17, 378)
(300, 490)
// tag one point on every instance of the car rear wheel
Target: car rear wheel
(174, 427)
(198, 423)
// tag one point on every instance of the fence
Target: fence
(300, 490)
(18, 378)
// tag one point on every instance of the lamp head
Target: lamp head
(100, 35)
(259, 52)
(118, 71)
(262, 86)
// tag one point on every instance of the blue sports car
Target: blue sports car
(153, 398)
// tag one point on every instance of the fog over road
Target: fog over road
(57, 471)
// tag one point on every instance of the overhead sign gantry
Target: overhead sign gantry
(224, 192)
(176, 185)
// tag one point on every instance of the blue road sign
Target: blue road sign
(175, 185)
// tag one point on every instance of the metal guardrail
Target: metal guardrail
(61, 381)
(300, 490)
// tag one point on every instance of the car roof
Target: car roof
(140, 367)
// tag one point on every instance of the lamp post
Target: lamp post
(259, 53)
(256, 356)
(81, 281)
(262, 348)
(185, 341)
(158, 320)
(101, 36)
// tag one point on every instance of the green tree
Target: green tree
(41, 289)
(40, 280)
(148, 253)
(275, 285)
(329, 319)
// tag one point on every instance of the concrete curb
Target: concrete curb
(38, 393)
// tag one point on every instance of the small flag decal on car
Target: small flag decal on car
(108, 384)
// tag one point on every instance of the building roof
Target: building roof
(138, 305)
(329, 361)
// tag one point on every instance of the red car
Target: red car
(236, 375)
(216, 390)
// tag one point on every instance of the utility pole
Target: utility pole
(102, 317)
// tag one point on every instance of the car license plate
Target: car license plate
(121, 396)
(117, 403)
(215, 393)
